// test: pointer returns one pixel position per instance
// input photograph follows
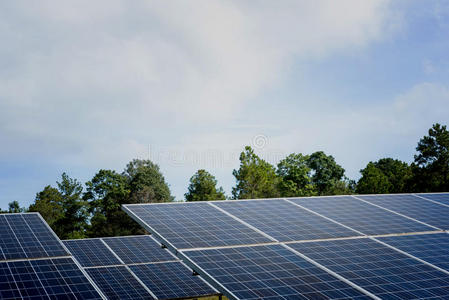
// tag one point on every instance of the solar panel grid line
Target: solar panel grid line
(102, 295)
(135, 264)
(244, 223)
(32, 232)
(115, 254)
(141, 282)
(54, 235)
(410, 255)
(419, 196)
(201, 278)
(12, 231)
(31, 265)
(419, 209)
(61, 276)
(332, 272)
(207, 277)
(397, 213)
(327, 218)
(170, 252)
(149, 228)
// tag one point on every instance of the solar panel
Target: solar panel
(138, 249)
(432, 248)
(44, 279)
(423, 210)
(172, 280)
(192, 225)
(118, 283)
(442, 198)
(91, 252)
(378, 268)
(283, 220)
(270, 272)
(361, 216)
(27, 236)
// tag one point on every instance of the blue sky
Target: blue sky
(88, 85)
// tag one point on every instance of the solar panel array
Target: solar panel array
(378, 246)
(137, 267)
(35, 265)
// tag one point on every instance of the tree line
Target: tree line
(94, 210)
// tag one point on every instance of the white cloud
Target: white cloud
(96, 82)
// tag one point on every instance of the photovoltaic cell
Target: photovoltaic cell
(442, 198)
(379, 269)
(192, 225)
(270, 272)
(432, 248)
(118, 283)
(425, 211)
(172, 280)
(44, 279)
(361, 216)
(50, 243)
(138, 249)
(91, 252)
(26, 236)
(284, 221)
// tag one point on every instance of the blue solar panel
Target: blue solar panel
(192, 225)
(10, 247)
(172, 280)
(91, 252)
(361, 216)
(432, 248)
(138, 249)
(442, 198)
(271, 272)
(379, 269)
(284, 221)
(44, 279)
(118, 283)
(423, 210)
(27, 236)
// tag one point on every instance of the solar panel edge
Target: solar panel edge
(398, 213)
(207, 277)
(428, 199)
(149, 228)
(54, 234)
(411, 255)
(336, 275)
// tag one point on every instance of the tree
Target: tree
(106, 192)
(146, 182)
(294, 174)
(14, 207)
(431, 165)
(373, 181)
(48, 203)
(63, 208)
(387, 175)
(203, 187)
(255, 178)
(326, 173)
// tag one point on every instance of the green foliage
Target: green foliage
(48, 203)
(63, 208)
(14, 207)
(387, 175)
(106, 192)
(73, 222)
(326, 173)
(203, 187)
(294, 174)
(431, 166)
(255, 178)
(146, 182)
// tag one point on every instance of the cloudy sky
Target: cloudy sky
(86, 85)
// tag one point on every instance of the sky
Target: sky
(89, 85)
